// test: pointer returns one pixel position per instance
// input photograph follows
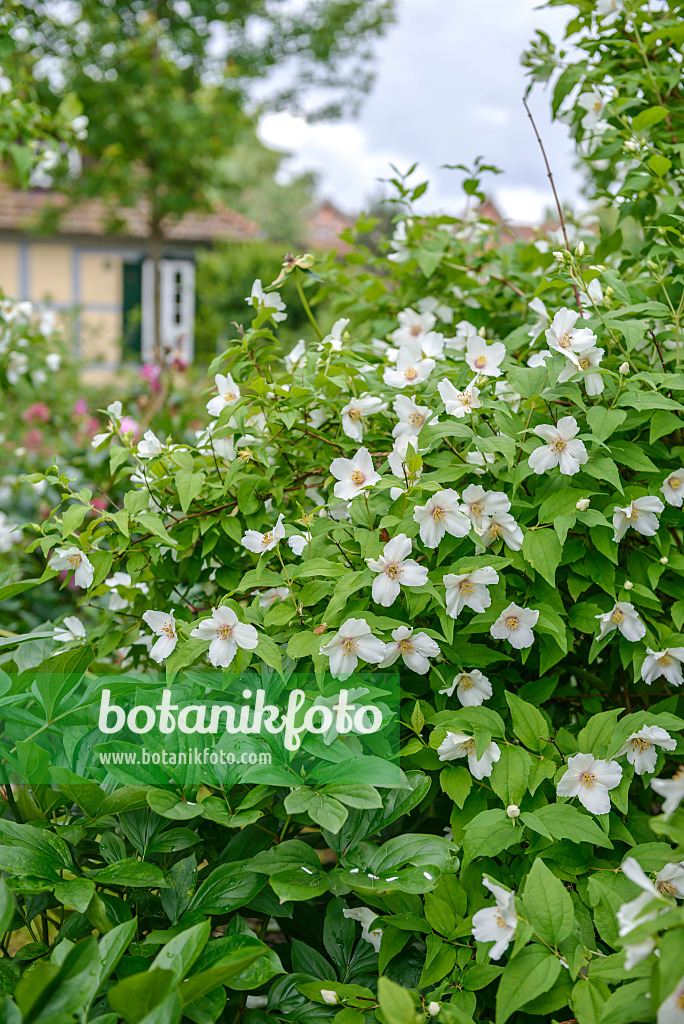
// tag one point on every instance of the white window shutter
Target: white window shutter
(177, 309)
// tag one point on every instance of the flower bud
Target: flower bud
(664, 560)
(320, 630)
(628, 585)
(583, 504)
(559, 256)
(513, 811)
(580, 249)
(624, 369)
(433, 1008)
(330, 997)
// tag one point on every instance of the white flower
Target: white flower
(590, 780)
(365, 917)
(672, 789)
(513, 811)
(464, 332)
(469, 590)
(296, 357)
(496, 924)
(354, 411)
(432, 305)
(120, 579)
(625, 618)
(73, 558)
(457, 744)
(593, 102)
(354, 475)
(503, 525)
(433, 1008)
(439, 515)
(330, 997)
(673, 488)
(503, 390)
(273, 594)
(459, 403)
(228, 394)
(416, 329)
(259, 299)
(53, 361)
(483, 358)
(641, 747)
(395, 570)
(149, 446)
(352, 641)
(472, 688)
(411, 416)
(414, 648)
(9, 536)
(163, 624)
(71, 629)
(671, 1010)
(562, 336)
(398, 462)
(641, 514)
(400, 253)
(297, 543)
(630, 915)
(5, 84)
(410, 368)
(335, 338)
(542, 321)
(666, 663)
(226, 633)
(604, 7)
(670, 880)
(589, 362)
(479, 504)
(515, 624)
(17, 366)
(539, 358)
(560, 449)
(258, 542)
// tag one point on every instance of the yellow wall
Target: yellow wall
(50, 276)
(9, 268)
(100, 275)
(100, 336)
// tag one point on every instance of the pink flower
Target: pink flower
(33, 439)
(38, 411)
(80, 408)
(151, 373)
(128, 426)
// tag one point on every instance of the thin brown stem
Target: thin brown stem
(555, 194)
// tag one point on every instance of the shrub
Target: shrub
(426, 486)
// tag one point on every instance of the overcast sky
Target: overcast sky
(449, 87)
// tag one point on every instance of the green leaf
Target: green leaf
(529, 725)
(131, 873)
(6, 908)
(604, 422)
(564, 821)
(649, 117)
(189, 486)
(548, 904)
(395, 1002)
(542, 549)
(526, 976)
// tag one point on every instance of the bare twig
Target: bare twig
(555, 194)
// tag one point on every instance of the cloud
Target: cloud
(449, 88)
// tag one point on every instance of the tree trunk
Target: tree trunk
(155, 251)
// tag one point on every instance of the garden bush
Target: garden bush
(469, 482)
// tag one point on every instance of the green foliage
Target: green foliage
(520, 870)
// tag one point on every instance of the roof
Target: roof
(23, 211)
(325, 224)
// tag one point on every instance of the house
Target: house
(324, 224)
(105, 281)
